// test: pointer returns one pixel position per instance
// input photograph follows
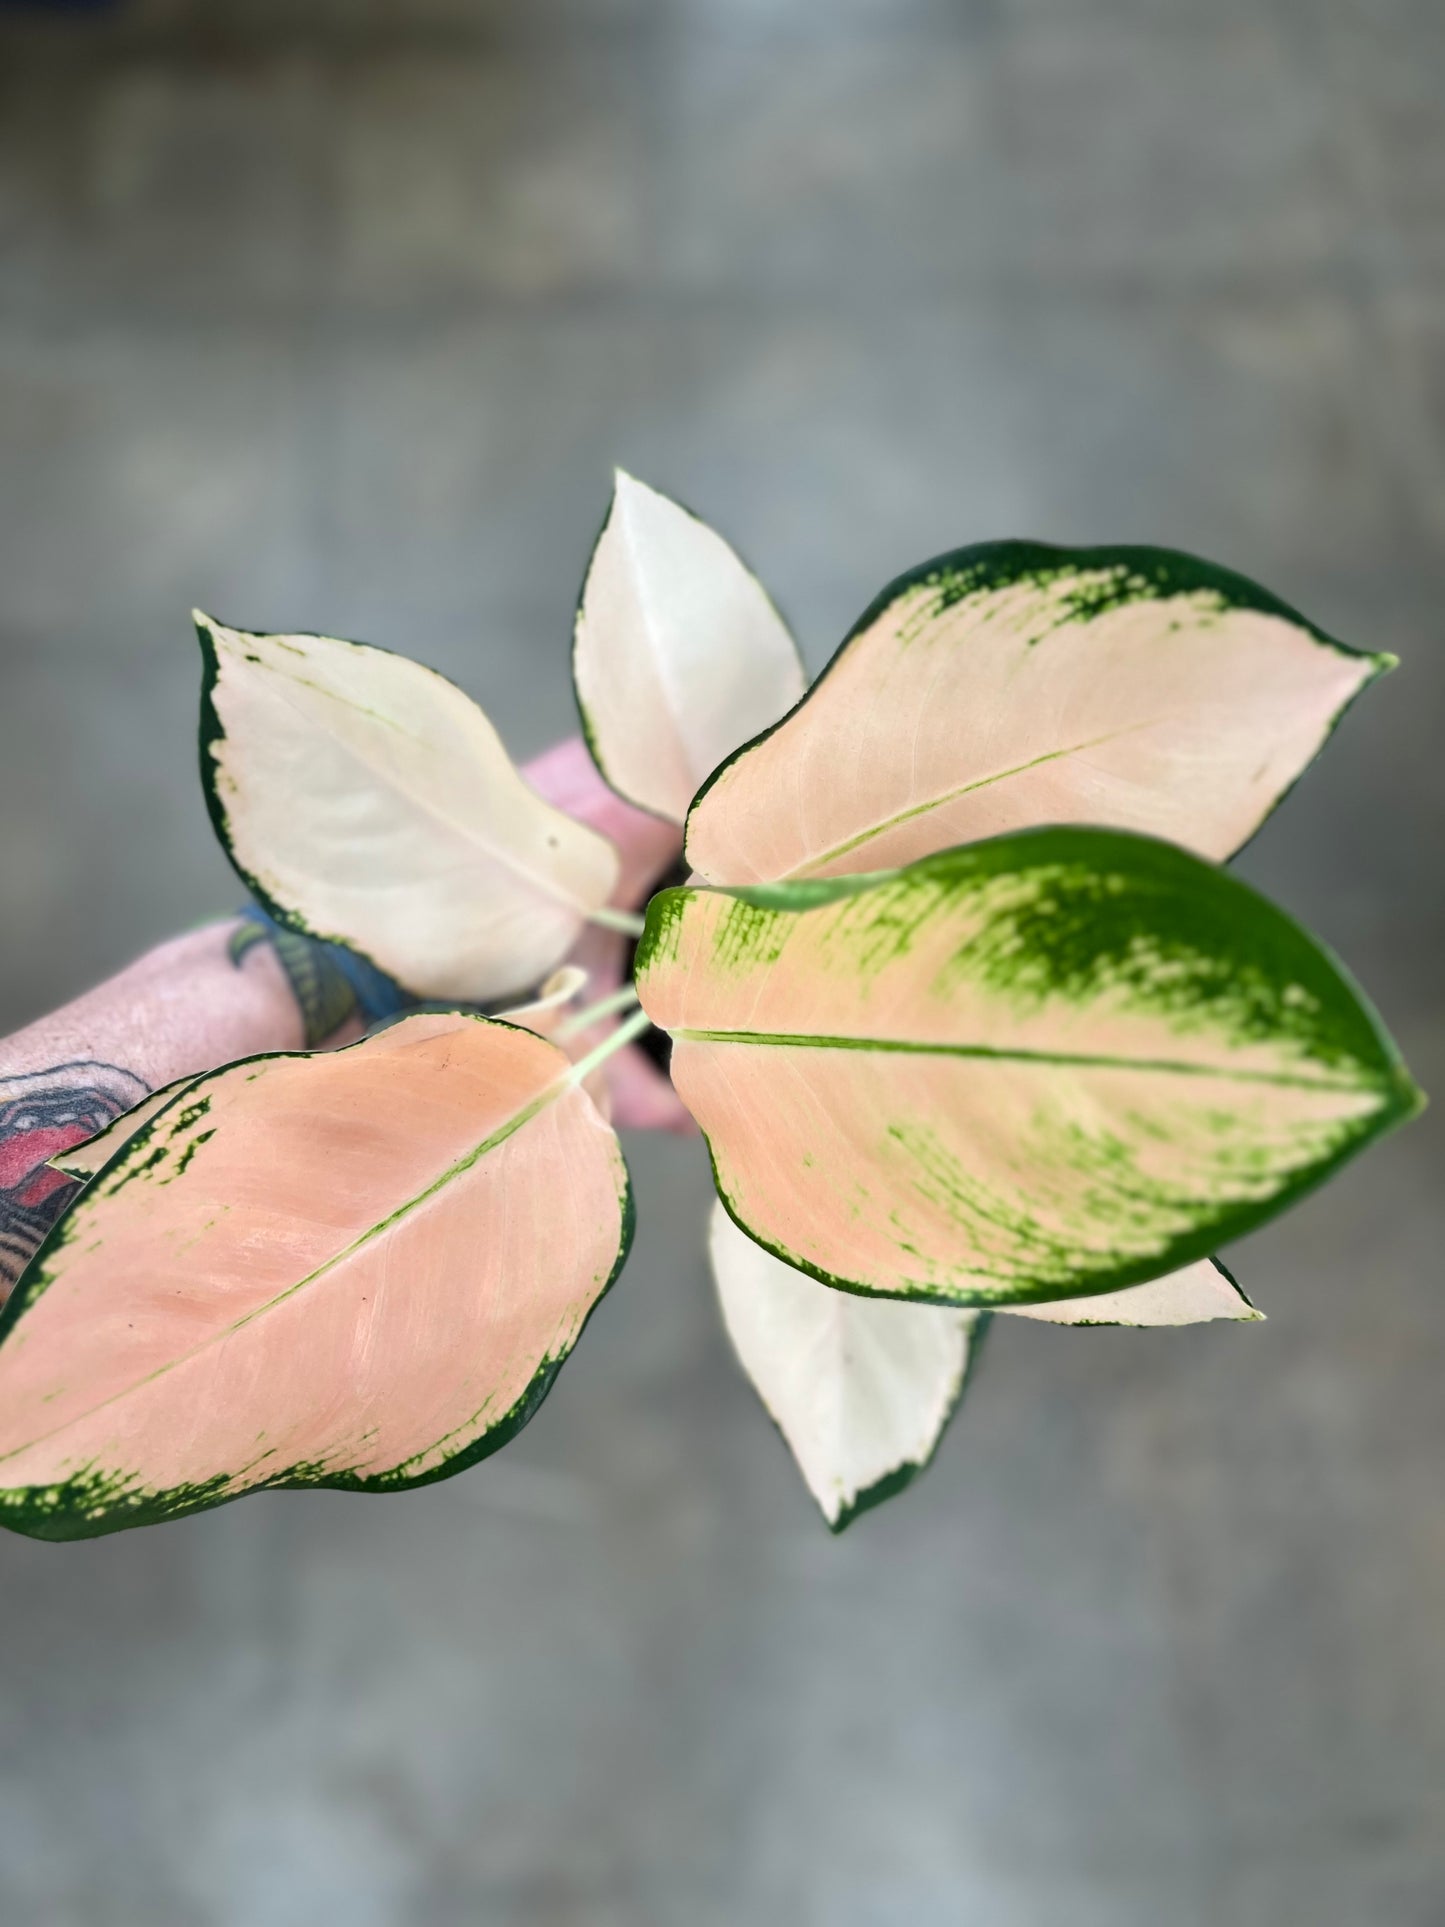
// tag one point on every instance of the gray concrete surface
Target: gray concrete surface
(335, 316)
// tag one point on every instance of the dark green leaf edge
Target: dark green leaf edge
(1143, 573)
(1122, 1279)
(66, 1512)
(903, 1476)
(212, 733)
(60, 1161)
(589, 734)
(1404, 1098)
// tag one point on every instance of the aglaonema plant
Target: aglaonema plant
(970, 1016)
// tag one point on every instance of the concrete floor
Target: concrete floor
(335, 317)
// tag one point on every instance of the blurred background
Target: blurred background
(336, 316)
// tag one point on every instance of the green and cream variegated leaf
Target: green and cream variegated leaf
(364, 799)
(1041, 1067)
(861, 1389)
(1014, 685)
(1197, 1295)
(360, 1268)
(679, 654)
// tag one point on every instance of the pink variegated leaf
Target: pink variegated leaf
(360, 1268)
(1043, 1067)
(1013, 685)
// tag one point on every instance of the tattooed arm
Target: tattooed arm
(184, 1007)
(42, 1112)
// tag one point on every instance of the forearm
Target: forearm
(183, 1007)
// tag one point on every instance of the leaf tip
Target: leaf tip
(627, 488)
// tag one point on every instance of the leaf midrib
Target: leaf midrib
(849, 844)
(673, 700)
(1084, 1060)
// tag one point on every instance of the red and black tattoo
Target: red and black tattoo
(42, 1112)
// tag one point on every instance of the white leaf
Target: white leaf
(1192, 1296)
(680, 656)
(365, 799)
(862, 1389)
